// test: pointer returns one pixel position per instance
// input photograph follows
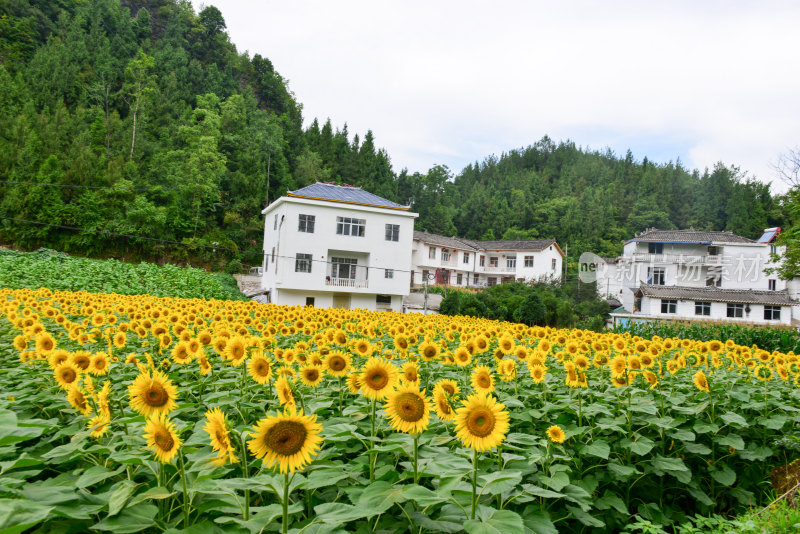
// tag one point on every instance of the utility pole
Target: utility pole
(425, 304)
(566, 261)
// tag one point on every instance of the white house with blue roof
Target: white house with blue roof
(337, 246)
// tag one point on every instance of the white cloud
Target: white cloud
(453, 82)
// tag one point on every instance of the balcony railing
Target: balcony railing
(346, 282)
(497, 269)
(696, 259)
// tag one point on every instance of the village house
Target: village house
(337, 246)
(468, 263)
(696, 275)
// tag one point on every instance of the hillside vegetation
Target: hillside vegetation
(142, 118)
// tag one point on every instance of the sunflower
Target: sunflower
(408, 410)
(446, 385)
(618, 365)
(482, 422)
(482, 379)
(81, 359)
(378, 377)
(162, 437)
(538, 373)
(506, 344)
(285, 393)
(481, 343)
(103, 400)
(410, 373)
(120, 340)
(311, 375)
(78, 400)
(217, 428)
(428, 350)
(287, 440)
(152, 394)
(507, 369)
(556, 434)
(20, 343)
(181, 353)
(45, 343)
(444, 409)
(337, 363)
(260, 368)
(354, 382)
(462, 356)
(98, 364)
(363, 348)
(236, 350)
(701, 381)
(98, 425)
(205, 365)
(57, 357)
(66, 374)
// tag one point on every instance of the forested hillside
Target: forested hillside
(141, 118)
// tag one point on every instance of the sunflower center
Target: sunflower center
(410, 407)
(221, 438)
(444, 406)
(156, 395)
(262, 368)
(449, 389)
(483, 380)
(336, 364)
(480, 422)
(68, 375)
(82, 362)
(286, 437)
(163, 440)
(312, 375)
(378, 380)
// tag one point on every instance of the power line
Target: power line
(70, 186)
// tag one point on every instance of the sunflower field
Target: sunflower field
(155, 414)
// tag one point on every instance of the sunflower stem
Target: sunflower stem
(474, 482)
(499, 468)
(245, 474)
(185, 492)
(372, 444)
(416, 458)
(285, 502)
(341, 394)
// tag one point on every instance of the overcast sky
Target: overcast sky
(442, 82)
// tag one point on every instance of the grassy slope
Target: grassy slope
(54, 270)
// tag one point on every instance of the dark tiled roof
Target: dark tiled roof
(654, 235)
(735, 296)
(459, 242)
(346, 194)
(534, 244)
(444, 241)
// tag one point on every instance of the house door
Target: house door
(341, 300)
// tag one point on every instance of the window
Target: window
(669, 306)
(273, 254)
(392, 232)
(713, 251)
(383, 301)
(483, 261)
(459, 279)
(735, 310)
(302, 263)
(714, 281)
(491, 281)
(553, 264)
(655, 276)
(475, 280)
(305, 223)
(275, 222)
(432, 253)
(702, 308)
(350, 226)
(511, 263)
(466, 257)
(771, 284)
(772, 313)
(493, 262)
(528, 261)
(773, 249)
(388, 273)
(344, 267)
(310, 301)
(445, 254)
(655, 248)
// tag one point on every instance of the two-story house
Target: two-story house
(337, 246)
(468, 263)
(695, 275)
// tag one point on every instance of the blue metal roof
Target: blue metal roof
(344, 193)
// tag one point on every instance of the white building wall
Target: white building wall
(374, 254)
(685, 310)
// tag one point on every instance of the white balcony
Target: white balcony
(361, 283)
(682, 259)
(497, 269)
